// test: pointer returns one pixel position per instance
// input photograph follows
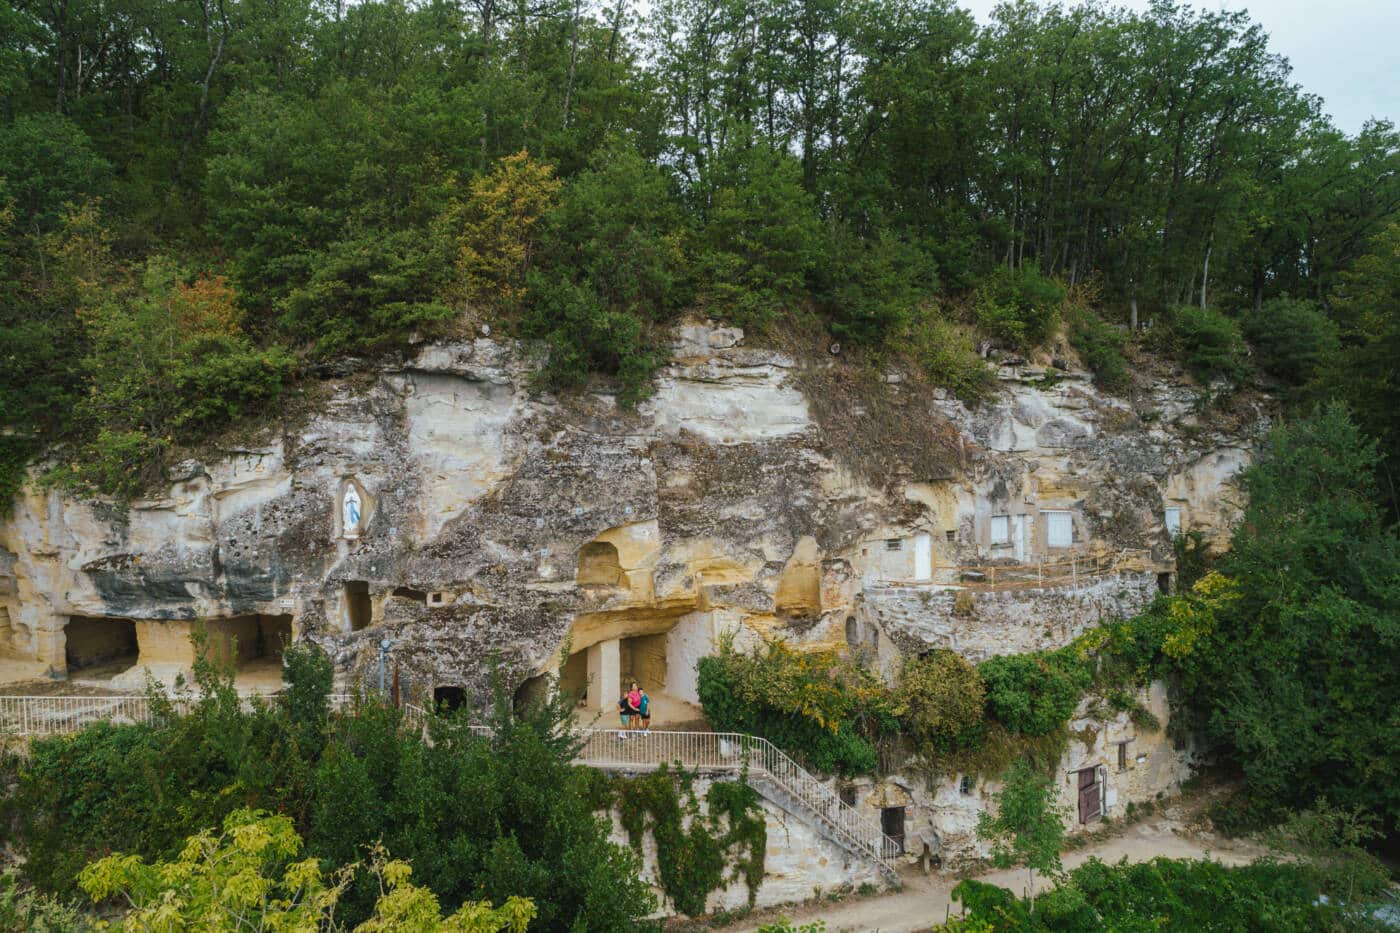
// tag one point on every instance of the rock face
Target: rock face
(493, 526)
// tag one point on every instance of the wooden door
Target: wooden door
(1090, 795)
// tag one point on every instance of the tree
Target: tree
(759, 239)
(499, 228)
(940, 698)
(1296, 670)
(249, 877)
(1025, 826)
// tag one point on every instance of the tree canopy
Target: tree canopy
(357, 175)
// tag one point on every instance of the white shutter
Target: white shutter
(1173, 517)
(1059, 529)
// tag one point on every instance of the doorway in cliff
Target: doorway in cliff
(252, 645)
(359, 610)
(99, 647)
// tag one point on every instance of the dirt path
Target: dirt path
(926, 900)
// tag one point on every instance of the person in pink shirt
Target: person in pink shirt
(634, 707)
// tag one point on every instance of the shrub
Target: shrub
(871, 288)
(251, 876)
(1018, 307)
(797, 702)
(1034, 694)
(940, 700)
(1293, 340)
(1209, 343)
(1100, 346)
(1175, 894)
(947, 355)
(760, 237)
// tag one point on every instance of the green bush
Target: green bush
(760, 238)
(742, 693)
(1034, 694)
(477, 818)
(1293, 340)
(1209, 343)
(871, 288)
(1018, 307)
(947, 355)
(28, 912)
(1100, 346)
(1169, 894)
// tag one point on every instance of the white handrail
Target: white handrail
(63, 715)
(605, 749)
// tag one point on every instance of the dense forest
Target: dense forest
(204, 201)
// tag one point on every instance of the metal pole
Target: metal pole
(383, 653)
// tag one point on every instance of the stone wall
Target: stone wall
(799, 864)
(942, 812)
(981, 622)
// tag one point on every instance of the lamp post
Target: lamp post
(383, 653)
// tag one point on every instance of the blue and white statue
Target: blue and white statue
(350, 512)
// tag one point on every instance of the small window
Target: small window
(435, 599)
(965, 785)
(852, 631)
(952, 536)
(848, 794)
(1164, 584)
(894, 544)
(1001, 530)
(1173, 522)
(1122, 756)
(1059, 529)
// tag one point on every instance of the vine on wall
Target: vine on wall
(694, 845)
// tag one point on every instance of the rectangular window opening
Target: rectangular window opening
(1173, 521)
(894, 544)
(1122, 756)
(1059, 529)
(1001, 530)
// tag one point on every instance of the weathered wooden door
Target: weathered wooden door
(1090, 795)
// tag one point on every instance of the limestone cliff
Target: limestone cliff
(447, 507)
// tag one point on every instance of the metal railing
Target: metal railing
(1039, 573)
(63, 715)
(735, 753)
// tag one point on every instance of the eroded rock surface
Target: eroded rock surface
(495, 525)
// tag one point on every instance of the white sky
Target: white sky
(1345, 51)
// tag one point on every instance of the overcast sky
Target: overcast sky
(1346, 51)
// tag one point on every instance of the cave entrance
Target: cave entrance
(100, 646)
(359, 610)
(253, 646)
(449, 698)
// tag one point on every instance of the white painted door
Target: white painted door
(1018, 536)
(1059, 529)
(923, 556)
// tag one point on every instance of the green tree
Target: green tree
(1024, 825)
(252, 876)
(1295, 672)
(760, 236)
